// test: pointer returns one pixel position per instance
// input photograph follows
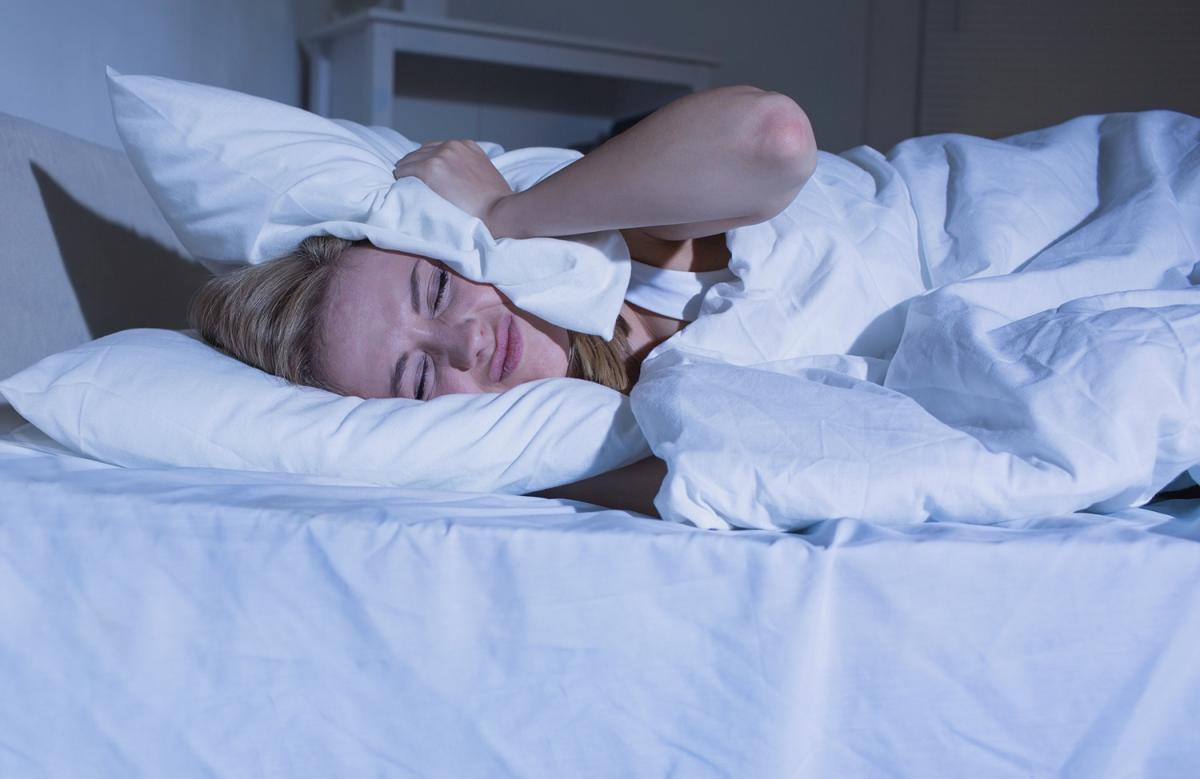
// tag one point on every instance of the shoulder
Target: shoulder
(693, 254)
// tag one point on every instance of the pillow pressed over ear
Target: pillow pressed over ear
(150, 397)
(242, 179)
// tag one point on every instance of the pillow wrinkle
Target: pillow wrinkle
(96, 364)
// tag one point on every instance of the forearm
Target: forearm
(722, 153)
(631, 488)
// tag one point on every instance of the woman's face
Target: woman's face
(401, 325)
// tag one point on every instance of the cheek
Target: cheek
(475, 294)
(457, 381)
(546, 352)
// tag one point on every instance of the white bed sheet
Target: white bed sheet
(194, 622)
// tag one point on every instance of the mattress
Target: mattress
(199, 622)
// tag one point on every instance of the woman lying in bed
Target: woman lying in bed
(357, 320)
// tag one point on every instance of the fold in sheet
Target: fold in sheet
(1017, 328)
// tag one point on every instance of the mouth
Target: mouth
(512, 352)
(507, 355)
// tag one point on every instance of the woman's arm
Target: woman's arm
(700, 165)
(631, 488)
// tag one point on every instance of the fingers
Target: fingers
(411, 166)
(424, 152)
(405, 166)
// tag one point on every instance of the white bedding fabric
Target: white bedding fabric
(197, 622)
(965, 329)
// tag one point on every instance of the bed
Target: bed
(197, 622)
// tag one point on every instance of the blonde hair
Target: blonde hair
(604, 362)
(268, 316)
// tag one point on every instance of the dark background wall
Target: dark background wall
(867, 71)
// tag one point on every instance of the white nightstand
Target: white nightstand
(434, 77)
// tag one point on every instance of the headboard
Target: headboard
(84, 251)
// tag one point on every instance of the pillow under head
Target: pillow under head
(151, 398)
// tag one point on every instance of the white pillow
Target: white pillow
(149, 398)
(242, 179)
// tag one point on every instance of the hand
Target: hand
(459, 171)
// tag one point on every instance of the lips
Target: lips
(500, 353)
(507, 354)
(512, 351)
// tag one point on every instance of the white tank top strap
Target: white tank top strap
(672, 293)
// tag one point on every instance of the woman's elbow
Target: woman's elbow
(785, 138)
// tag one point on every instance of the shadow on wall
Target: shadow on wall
(121, 279)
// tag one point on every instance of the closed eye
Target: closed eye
(443, 282)
(420, 393)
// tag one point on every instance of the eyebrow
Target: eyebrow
(415, 292)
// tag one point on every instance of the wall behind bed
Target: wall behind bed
(1000, 68)
(53, 52)
(867, 71)
(815, 51)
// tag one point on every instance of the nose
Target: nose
(465, 344)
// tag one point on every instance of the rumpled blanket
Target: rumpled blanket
(965, 330)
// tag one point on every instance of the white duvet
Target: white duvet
(966, 329)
